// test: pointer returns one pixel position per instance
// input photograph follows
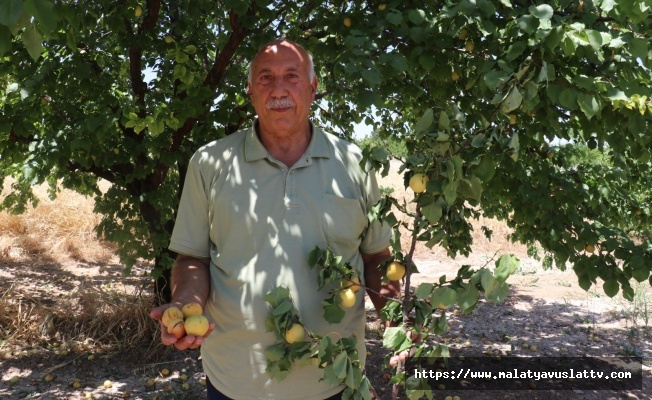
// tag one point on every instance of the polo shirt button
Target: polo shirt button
(291, 191)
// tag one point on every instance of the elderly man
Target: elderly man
(254, 205)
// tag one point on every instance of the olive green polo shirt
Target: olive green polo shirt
(257, 220)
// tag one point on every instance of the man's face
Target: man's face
(281, 90)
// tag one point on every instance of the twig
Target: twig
(406, 297)
(56, 367)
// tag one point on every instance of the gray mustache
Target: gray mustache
(280, 103)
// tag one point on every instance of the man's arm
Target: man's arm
(190, 280)
(190, 283)
(376, 289)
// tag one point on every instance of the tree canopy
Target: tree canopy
(478, 90)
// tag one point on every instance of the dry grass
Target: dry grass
(87, 320)
(58, 231)
(75, 312)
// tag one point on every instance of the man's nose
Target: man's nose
(279, 88)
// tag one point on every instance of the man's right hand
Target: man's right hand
(184, 342)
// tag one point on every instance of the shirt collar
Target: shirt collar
(254, 149)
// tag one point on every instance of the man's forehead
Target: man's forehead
(278, 47)
(280, 52)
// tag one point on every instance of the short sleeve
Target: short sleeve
(191, 235)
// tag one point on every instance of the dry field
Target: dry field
(68, 314)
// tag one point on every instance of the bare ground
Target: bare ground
(545, 309)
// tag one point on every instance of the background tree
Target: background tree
(125, 91)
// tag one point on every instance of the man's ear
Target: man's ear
(313, 86)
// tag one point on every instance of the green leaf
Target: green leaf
(611, 287)
(283, 307)
(314, 256)
(450, 192)
(584, 282)
(371, 76)
(424, 291)
(478, 140)
(471, 188)
(433, 212)
(426, 120)
(353, 376)
(43, 12)
(276, 295)
(10, 11)
(568, 99)
(512, 101)
(543, 11)
(444, 297)
(506, 265)
(528, 23)
(394, 337)
(499, 292)
(514, 144)
(340, 364)
(515, 50)
(444, 121)
(640, 271)
(275, 352)
(589, 105)
(333, 313)
(486, 169)
(32, 41)
(330, 376)
(5, 40)
(468, 298)
(394, 17)
(487, 280)
(595, 39)
(495, 79)
(399, 62)
(416, 16)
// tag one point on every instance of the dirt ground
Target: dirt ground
(545, 309)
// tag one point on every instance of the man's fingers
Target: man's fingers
(156, 313)
(186, 342)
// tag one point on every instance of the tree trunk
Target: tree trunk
(162, 288)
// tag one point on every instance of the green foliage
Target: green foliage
(394, 146)
(339, 359)
(331, 273)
